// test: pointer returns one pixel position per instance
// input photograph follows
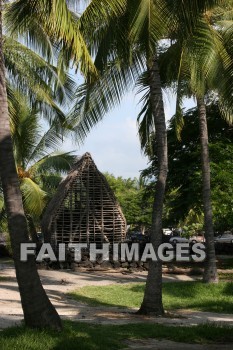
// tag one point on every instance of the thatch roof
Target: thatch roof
(88, 204)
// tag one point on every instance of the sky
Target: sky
(114, 142)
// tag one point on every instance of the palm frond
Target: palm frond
(25, 130)
(50, 182)
(30, 141)
(33, 197)
(145, 118)
(19, 57)
(59, 162)
(95, 99)
(57, 21)
(96, 15)
(184, 15)
(149, 23)
(226, 112)
(50, 141)
(31, 74)
(13, 106)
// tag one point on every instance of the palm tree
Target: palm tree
(122, 55)
(39, 164)
(116, 60)
(36, 77)
(200, 68)
(210, 272)
(121, 58)
(38, 161)
(36, 19)
(37, 308)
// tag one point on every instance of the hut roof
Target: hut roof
(83, 163)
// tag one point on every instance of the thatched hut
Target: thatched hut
(84, 209)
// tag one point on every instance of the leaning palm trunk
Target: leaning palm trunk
(210, 271)
(152, 302)
(38, 310)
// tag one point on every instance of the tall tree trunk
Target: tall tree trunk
(32, 229)
(38, 310)
(210, 271)
(152, 302)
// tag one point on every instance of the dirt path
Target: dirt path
(58, 283)
(154, 344)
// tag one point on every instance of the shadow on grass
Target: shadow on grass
(183, 295)
(95, 301)
(104, 337)
(228, 289)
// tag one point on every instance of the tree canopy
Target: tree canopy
(135, 206)
(183, 202)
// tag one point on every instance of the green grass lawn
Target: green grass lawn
(98, 337)
(176, 295)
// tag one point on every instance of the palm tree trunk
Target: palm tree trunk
(38, 310)
(152, 302)
(210, 271)
(32, 229)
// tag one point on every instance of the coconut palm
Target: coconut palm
(122, 55)
(25, 272)
(36, 76)
(38, 161)
(199, 68)
(119, 59)
(37, 20)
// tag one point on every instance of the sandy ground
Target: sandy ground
(154, 344)
(58, 283)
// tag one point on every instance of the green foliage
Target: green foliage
(131, 195)
(193, 222)
(123, 43)
(182, 295)
(32, 60)
(222, 182)
(30, 73)
(104, 337)
(184, 199)
(40, 166)
(55, 21)
(196, 62)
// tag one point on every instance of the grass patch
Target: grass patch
(182, 295)
(6, 261)
(4, 278)
(104, 337)
(226, 276)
